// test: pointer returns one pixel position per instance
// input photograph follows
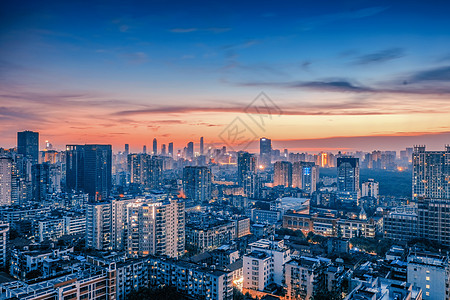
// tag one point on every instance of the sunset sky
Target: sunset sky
(342, 74)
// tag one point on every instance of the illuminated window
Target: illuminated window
(428, 278)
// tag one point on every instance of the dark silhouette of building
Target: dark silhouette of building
(28, 145)
(197, 183)
(265, 152)
(88, 169)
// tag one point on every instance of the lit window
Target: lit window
(427, 286)
(428, 278)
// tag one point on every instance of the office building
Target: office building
(163, 150)
(197, 183)
(88, 169)
(348, 179)
(190, 151)
(305, 176)
(282, 174)
(41, 184)
(246, 164)
(170, 149)
(6, 168)
(265, 152)
(201, 146)
(155, 147)
(28, 145)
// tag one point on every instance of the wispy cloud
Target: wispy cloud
(436, 74)
(195, 29)
(380, 56)
(313, 22)
(137, 58)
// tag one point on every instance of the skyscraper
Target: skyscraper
(88, 168)
(201, 146)
(127, 149)
(348, 174)
(282, 174)
(144, 149)
(5, 180)
(246, 163)
(28, 145)
(197, 183)
(431, 189)
(348, 179)
(40, 181)
(170, 149)
(163, 150)
(305, 175)
(431, 173)
(265, 152)
(190, 151)
(155, 147)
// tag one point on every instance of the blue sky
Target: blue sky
(64, 66)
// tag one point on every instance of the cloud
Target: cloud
(137, 58)
(183, 30)
(195, 29)
(437, 74)
(380, 57)
(317, 21)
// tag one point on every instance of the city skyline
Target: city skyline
(343, 75)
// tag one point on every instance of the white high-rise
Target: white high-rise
(5, 181)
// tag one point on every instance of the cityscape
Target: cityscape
(224, 151)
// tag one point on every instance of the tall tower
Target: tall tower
(170, 150)
(246, 163)
(28, 145)
(201, 146)
(265, 152)
(190, 151)
(6, 166)
(431, 173)
(89, 168)
(197, 183)
(155, 147)
(282, 174)
(348, 179)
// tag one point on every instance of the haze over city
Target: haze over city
(346, 75)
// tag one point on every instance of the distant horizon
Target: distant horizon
(432, 141)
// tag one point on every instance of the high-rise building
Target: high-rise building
(348, 179)
(201, 146)
(246, 163)
(431, 189)
(145, 170)
(197, 183)
(282, 174)
(265, 152)
(431, 173)
(88, 169)
(155, 147)
(127, 149)
(305, 175)
(170, 149)
(6, 167)
(144, 149)
(4, 234)
(163, 150)
(190, 151)
(370, 189)
(140, 227)
(28, 145)
(99, 226)
(155, 172)
(155, 228)
(40, 181)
